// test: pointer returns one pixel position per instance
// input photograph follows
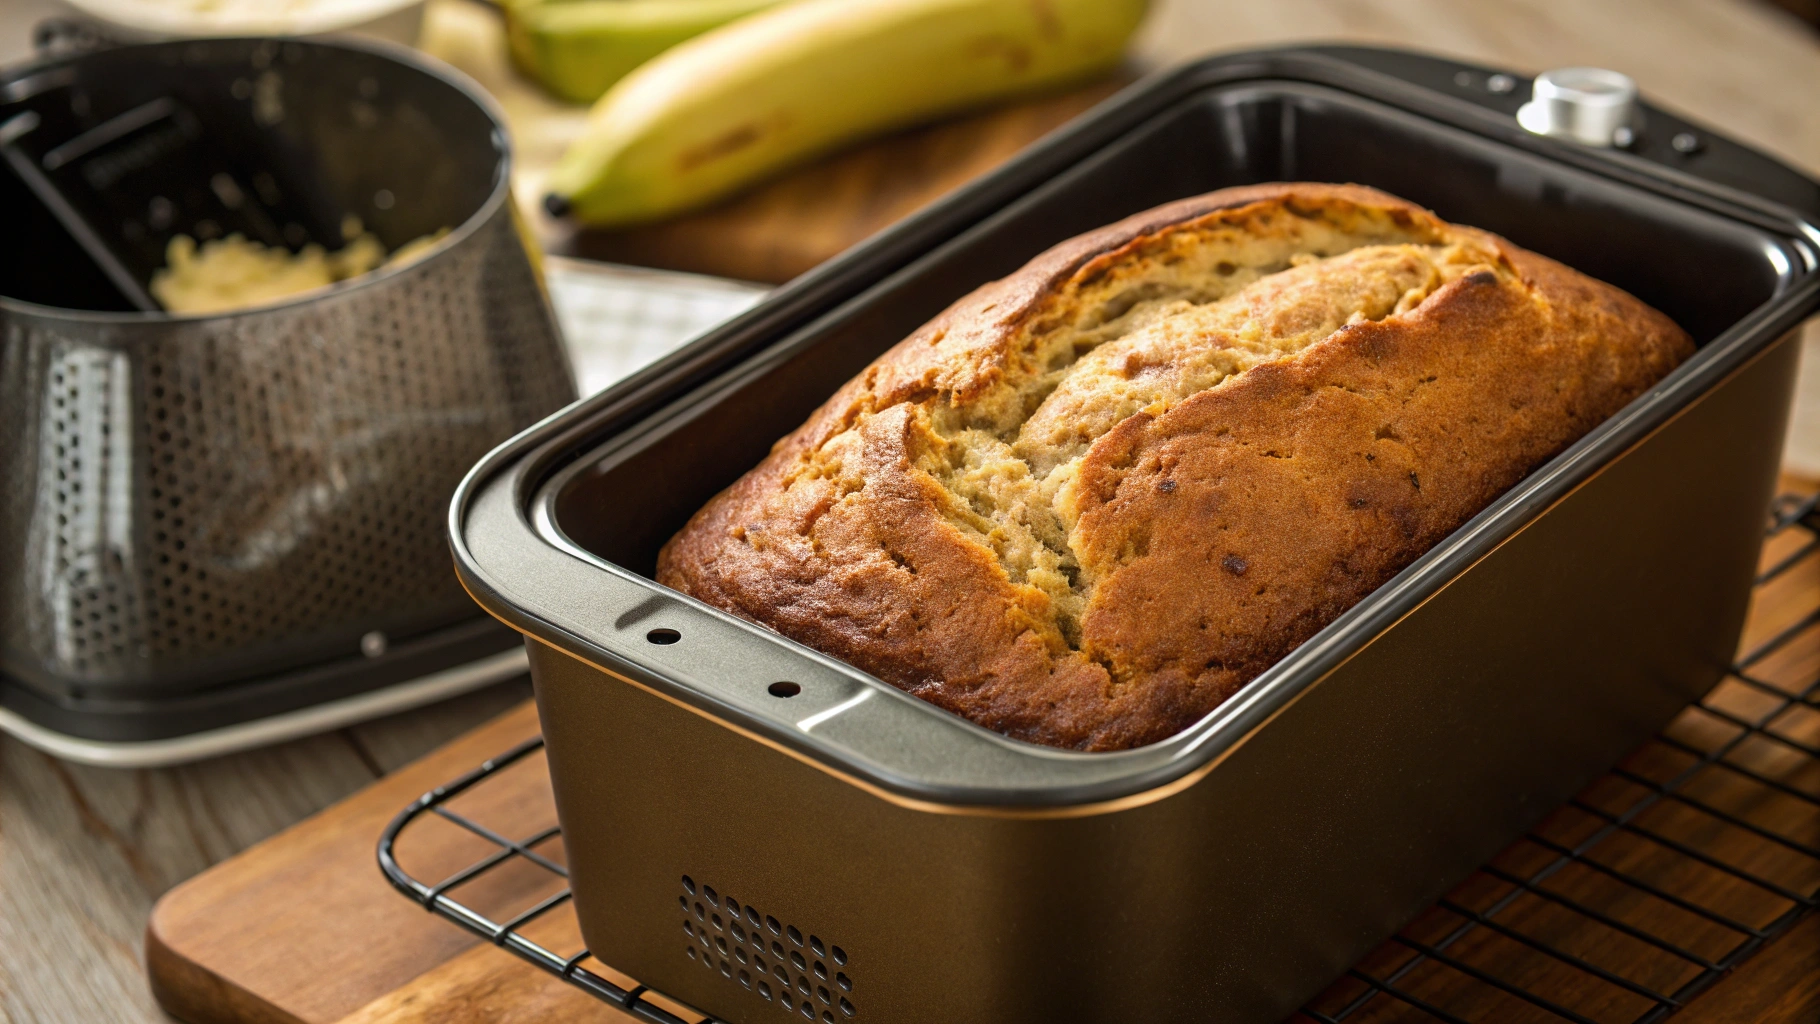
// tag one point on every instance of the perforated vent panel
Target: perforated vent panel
(776, 962)
(194, 501)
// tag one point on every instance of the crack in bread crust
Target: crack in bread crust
(1090, 500)
(1016, 496)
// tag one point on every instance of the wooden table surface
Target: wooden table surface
(301, 930)
(84, 852)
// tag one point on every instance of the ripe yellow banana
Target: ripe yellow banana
(768, 90)
(578, 48)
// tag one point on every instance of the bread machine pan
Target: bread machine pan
(754, 827)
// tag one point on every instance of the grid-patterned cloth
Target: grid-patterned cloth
(616, 319)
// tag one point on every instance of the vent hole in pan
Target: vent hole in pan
(663, 636)
(785, 690)
(757, 980)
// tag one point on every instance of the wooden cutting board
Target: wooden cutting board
(303, 929)
(777, 229)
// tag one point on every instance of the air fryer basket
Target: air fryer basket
(1230, 871)
(194, 502)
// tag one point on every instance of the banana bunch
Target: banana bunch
(771, 89)
(578, 48)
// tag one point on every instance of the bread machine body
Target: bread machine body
(833, 848)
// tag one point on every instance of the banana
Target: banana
(758, 94)
(578, 48)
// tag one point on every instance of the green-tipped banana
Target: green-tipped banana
(739, 102)
(579, 48)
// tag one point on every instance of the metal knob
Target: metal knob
(1589, 105)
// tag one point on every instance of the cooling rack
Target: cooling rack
(1655, 881)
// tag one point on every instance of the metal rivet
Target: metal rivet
(1500, 83)
(1686, 142)
(373, 644)
(1623, 137)
(1463, 79)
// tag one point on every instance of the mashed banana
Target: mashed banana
(238, 273)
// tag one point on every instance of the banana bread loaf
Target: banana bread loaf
(1089, 501)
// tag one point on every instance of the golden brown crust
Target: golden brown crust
(909, 529)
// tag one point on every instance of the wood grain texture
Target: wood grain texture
(1778, 985)
(485, 984)
(302, 929)
(85, 852)
(318, 932)
(391, 743)
(78, 876)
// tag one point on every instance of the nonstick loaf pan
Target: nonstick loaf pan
(756, 829)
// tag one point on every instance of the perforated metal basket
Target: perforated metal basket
(195, 503)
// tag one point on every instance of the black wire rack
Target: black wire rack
(1633, 898)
